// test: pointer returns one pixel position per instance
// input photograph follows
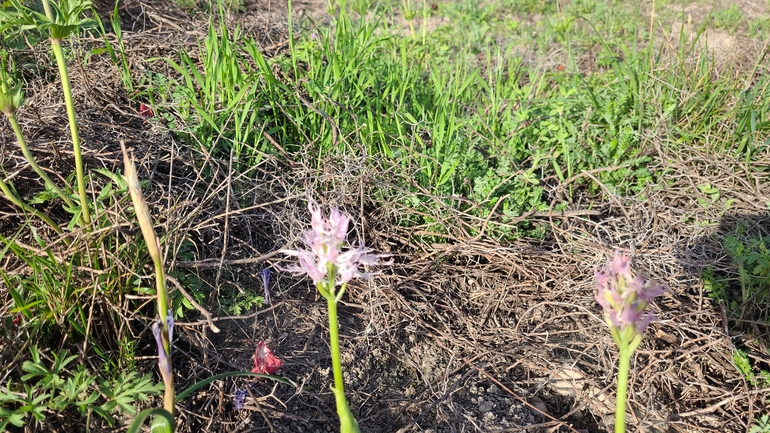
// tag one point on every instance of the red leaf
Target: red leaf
(264, 360)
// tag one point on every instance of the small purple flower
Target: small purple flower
(164, 362)
(325, 240)
(266, 283)
(624, 297)
(239, 399)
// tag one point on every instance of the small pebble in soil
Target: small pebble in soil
(486, 406)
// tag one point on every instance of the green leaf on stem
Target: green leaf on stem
(348, 423)
(167, 427)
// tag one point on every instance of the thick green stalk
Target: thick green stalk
(26, 208)
(348, 423)
(620, 400)
(79, 172)
(47, 9)
(328, 290)
(31, 160)
(334, 341)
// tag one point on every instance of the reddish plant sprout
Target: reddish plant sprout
(146, 111)
(624, 299)
(325, 240)
(264, 360)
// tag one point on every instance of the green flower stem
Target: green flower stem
(334, 341)
(48, 11)
(328, 289)
(65, 84)
(27, 208)
(348, 423)
(160, 284)
(620, 401)
(31, 160)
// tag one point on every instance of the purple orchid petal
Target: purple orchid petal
(630, 315)
(163, 362)
(641, 325)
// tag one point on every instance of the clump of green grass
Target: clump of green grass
(193, 7)
(223, 97)
(463, 116)
(728, 18)
(759, 27)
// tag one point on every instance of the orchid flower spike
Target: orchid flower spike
(624, 297)
(325, 240)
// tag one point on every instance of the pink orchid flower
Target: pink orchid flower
(624, 297)
(325, 240)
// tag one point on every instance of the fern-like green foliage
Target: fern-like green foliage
(51, 388)
(761, 425)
